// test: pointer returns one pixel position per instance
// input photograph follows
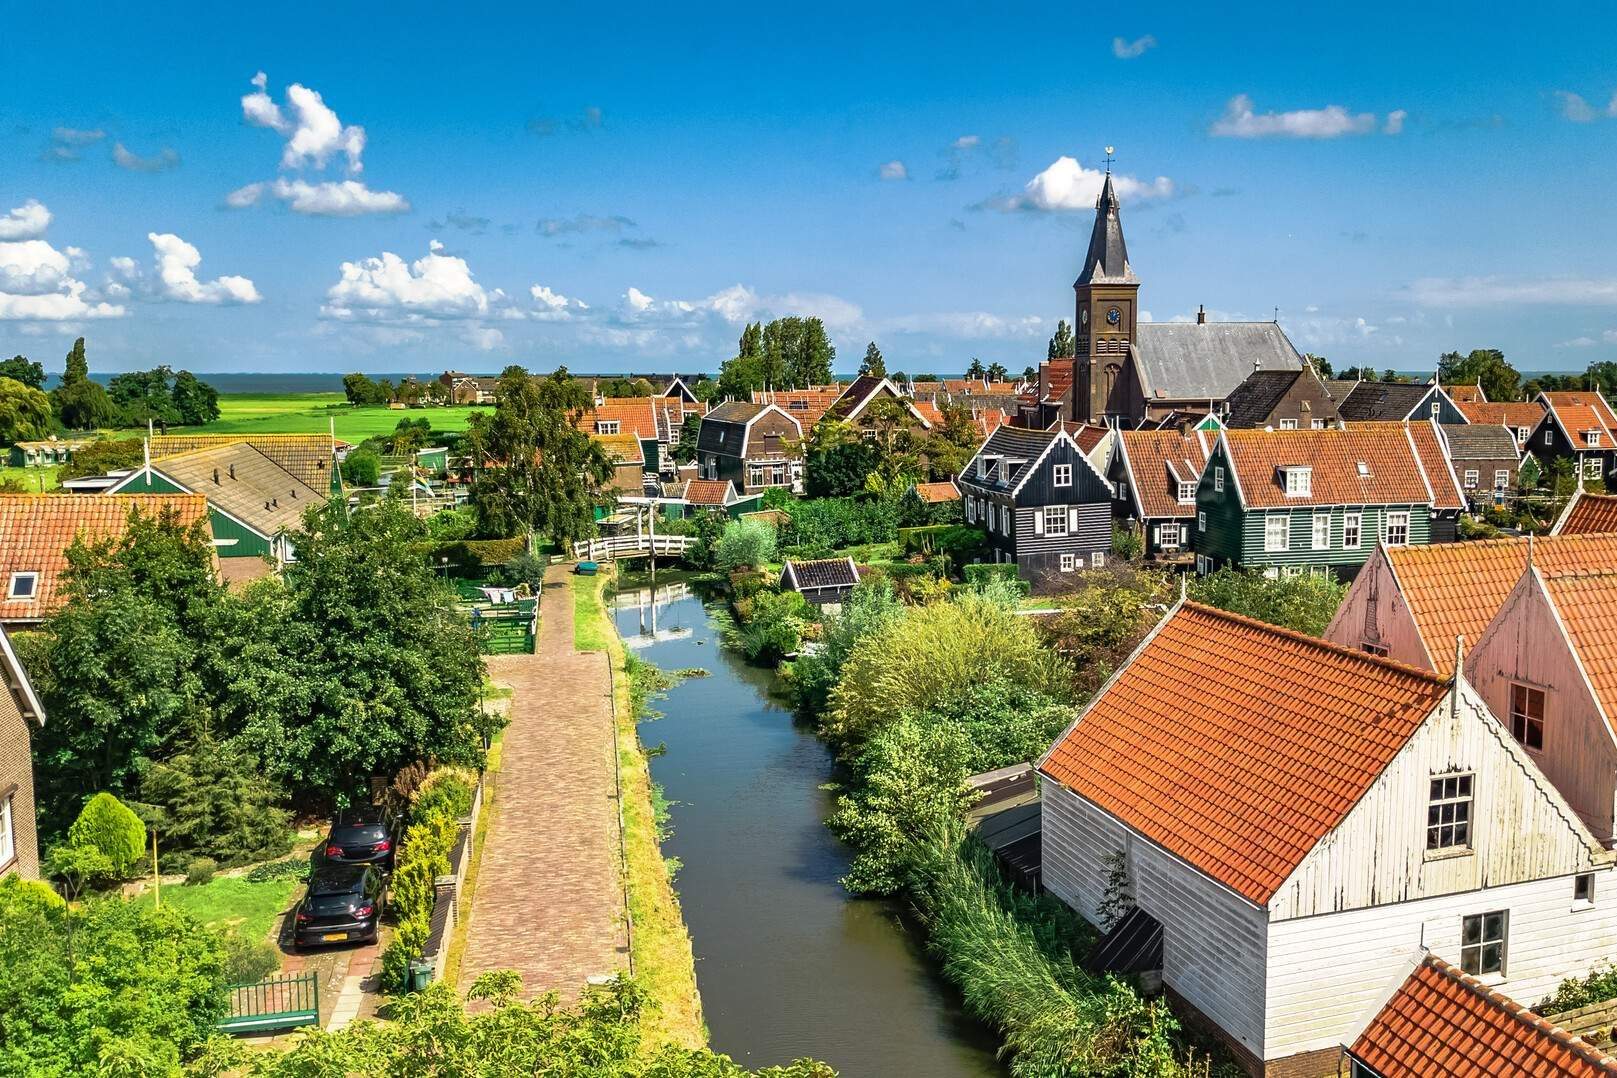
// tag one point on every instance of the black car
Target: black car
(368, 835)
(344, 904)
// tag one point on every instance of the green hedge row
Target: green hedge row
(436, 809)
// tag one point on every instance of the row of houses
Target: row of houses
(1369, 853)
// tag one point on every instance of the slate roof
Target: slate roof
(261, 494)
(822, 573)
(1510, 414)
(733, 412)
(1588, 514)
(1008, 441)
(1442, 1023)
(1578, 411)
(1107, 260)
(37, 529)
(634, 415)
(1393, 474)
(1457, 588)
(934, 493)
(1480, 441)
(1377, 400)
(307, 456)
(1206, 361)
(1153, 486)
(1587, 604)
(1246, 779)
(1252, 402)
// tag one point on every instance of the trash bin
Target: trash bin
(420, 975)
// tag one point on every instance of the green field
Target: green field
(312, 413)
(30, 477)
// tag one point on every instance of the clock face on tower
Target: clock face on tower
(1113, 315)
(1083, 317)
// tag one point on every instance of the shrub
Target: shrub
(106, 826)
(442, 798)
(773, 625)
(1305, 602)
(833, 523)
(1127, 543)
(362, 468)
(249, 960)
(1574, 992)
(214, 799)
(293, 868)
(526, 569)
(744, 545)
(868, 609)
(989, 572)
(448, 791)
(201, 871)
(1469, 527)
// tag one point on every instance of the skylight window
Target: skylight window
(1364, 470)
(22, 586)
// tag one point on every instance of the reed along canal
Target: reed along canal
(788, 963)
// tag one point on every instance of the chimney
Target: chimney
(216, 477)
(232, 471)
(1201, 314)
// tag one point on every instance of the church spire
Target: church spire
(1107, 261)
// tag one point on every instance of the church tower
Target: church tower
(1108, 296)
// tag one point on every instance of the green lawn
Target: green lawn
(311, 413)
(230, 902)
(30, 477)
(590, 623)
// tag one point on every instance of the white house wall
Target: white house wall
(1392, 617)
(1213, 942)
(1521, 830)
(1526, 643)
(1325, 973)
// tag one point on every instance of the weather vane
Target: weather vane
(1109, 152)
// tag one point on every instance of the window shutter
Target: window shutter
(1038, 522)
(1156, 535)
(1072, 520)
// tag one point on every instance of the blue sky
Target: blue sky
(620, 189)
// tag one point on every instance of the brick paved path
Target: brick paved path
(549, 899)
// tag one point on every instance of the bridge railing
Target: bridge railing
(631, 546)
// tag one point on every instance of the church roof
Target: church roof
(1206, 361)
(1107, 261)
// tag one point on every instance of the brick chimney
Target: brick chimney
(1201, 314)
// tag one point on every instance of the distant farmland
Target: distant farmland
(312, 413)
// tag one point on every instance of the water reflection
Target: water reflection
(788, 965)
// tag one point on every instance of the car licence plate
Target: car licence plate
(333, 937)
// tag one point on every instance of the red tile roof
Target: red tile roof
(634, 415)
(804, 405)
(989, 420)
(929, 411)
(1578, 412)
(1510, 414)
(1236, 745)
(1149, 453)
(1441, 1023)
(37, 529)
(706, 491)
(937, 492)
(1469, 393)
(1087, 435)
(1454, 589)
(1587, 604)
(1434, 461)
(1055, 378)
(1589, 514)
(1392, 474)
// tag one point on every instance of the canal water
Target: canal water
(787, 963)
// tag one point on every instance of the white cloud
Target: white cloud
(161, 161)
(329, 198)
(971, 325)
(314, 135)
(1395, 122)
(1332, 121)
(37, 281)
(737, 304)
(966, 143)
(1573, 107)
(553, 306)
(1578, 342)
(176, 278)
(1500, 290)
(25, 222)
(1066, 185)
(1129, 50)
(434, 287)
(893, 170)
(482, 338)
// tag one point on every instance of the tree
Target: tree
(1600, 376)
(106, 826)
(1305, 603)
(25, 412)
(362, 468)
(1482, 366)
(107, 455)
(1030, 373)
(976, 370)
(873, 365)
(196, 401)
(212, 798)
(800, 349)
(22, 370)
(836, 459)
(1062, 345)
(143, 397)
(1322, 366)
(359, 389)
(80, 403)
(690, 434)
(536, 471)
(744, 545)
(996, 372)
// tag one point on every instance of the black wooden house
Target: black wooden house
(1042, 505)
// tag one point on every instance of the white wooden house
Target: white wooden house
(1300, 817)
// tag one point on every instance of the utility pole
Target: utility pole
(157, 883)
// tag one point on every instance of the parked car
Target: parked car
(368, 835)
(344, 904)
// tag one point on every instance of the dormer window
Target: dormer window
(1299, 481)
(23, 586)
(1591, 438)
(606, 426)
(986, 466)
(1187, 493)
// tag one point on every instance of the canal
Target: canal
(787, 963)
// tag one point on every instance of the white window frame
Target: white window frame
(1591, 467)
(1061, 475)
(1055, 520)
(1520, 718)
(1437, 408)
(1591, 439)
(1276, 540)
(1472, 478)
(1201, 520)
(1352, 530)
(1583, 891)
(1299, 482)
(1187, 492)
(12, 591)
(1097, 559)
(1450, 813)
(1501, 478)
(971, 510)
(1218, 480)
(1005, 519)
(1322, 523)
(1522, 434)
(1474, 944)
(1122, 488)
(1288, 424)
(1175, 531)
(1068, 563)
(1317, 424)
(1549, 437)
(1399, 521)
(8, 833)
(608, 426)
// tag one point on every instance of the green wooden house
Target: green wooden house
(1321, 500)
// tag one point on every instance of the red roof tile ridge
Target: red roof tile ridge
(1494, 998)
(1576, 572)
(1377, 661)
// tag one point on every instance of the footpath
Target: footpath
(549, 898)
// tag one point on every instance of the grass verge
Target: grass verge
(231, 903)
(661, 944)
(485, 819)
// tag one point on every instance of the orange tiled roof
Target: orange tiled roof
(1589, 514)
(37, 529)
(969, 386)
(1441, 1023)
(307, 456)
(706, 491)
(1587, 603)
(988, 420)
(1434, 461)
(937, 492)
(1469, 393)
(1457, 588)
(1055, 377)
(1579, 412)
(634, 415)
(1236, 745)
(804, 405)
(1149, 452)
(1087, 435)
(1393, 474)
(929, 412)
(1510, 414)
